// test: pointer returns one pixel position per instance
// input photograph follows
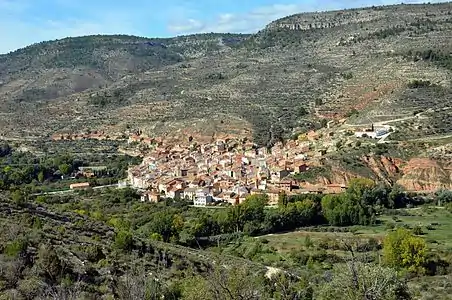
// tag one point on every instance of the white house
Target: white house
(203, 197)
(372, 134)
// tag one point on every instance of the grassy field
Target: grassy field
(435, 223)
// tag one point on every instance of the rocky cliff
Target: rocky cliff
(423, 174)
(417, 174)
(332, 19)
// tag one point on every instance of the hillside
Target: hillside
(384, 62)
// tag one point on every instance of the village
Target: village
(226, 171)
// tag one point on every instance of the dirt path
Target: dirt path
(382, 123)
(431, 138)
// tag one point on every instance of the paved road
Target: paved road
(382, 140)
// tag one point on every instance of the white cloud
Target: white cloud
(251, 21)
(254, 20)
(17, 34)
(20, 32)
(190, 25)
(21, 25)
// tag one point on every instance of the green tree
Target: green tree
(65, 169)
(254, 206)
(204, 225)
(443, 197)
(178, 223)
(166, 224)
(236, 218)
(124, 240)
(358, 186)
(344, 210)
(377, 196)
(401, 249)
(396, 198)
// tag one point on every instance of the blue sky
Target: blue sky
(23, 22)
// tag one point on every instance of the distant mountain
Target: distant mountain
(378, 61)
(72, 65)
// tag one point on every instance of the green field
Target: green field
(436, 225)
(435, 222)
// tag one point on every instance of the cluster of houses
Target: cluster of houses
(223, 172)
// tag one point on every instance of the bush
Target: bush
(390, 226)
(415, 84)
(299, 257)
(417, 230)
(15, 248)
(18, 197)
(430, 227)
(324, 244)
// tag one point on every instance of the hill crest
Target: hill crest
(277, 81)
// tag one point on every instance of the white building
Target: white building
(372, 134)
(369, 134)
(203, 197)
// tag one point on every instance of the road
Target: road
(382, 123)
(71, 191)
(431, 138)
(382, 140)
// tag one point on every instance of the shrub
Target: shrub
(430, 227)
(15, 248)
(324, 244)
(415, 84)
(390, 226)
(417, 230)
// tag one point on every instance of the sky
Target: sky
(24, 22)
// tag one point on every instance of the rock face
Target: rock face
(424, 174)
(315, 20)
(418, 174)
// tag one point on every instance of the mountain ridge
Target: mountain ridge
(260, 79)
